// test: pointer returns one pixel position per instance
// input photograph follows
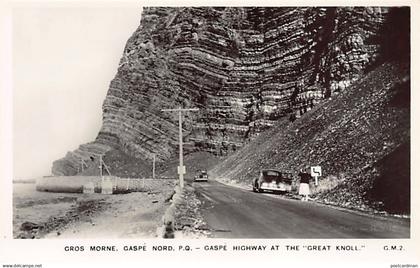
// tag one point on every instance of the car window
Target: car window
(271, 173)
(271, 176)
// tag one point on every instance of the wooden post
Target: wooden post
(181, 170)
(154, 165)
(100, 165)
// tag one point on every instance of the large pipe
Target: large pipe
(74, 184)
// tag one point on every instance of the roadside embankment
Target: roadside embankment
(183, 218)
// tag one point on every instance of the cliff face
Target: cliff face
(245, 68)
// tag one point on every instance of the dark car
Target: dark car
(273, 180)
(201, 176)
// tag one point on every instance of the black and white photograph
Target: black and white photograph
(212, 123)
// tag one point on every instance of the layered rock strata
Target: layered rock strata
(244, 68)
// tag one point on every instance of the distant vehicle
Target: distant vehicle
(274, 181)
(201, 176)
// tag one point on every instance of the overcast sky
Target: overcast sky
(63, 61)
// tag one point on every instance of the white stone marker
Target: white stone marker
(107, 186)
(89, 188)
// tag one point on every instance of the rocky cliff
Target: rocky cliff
(244, 68)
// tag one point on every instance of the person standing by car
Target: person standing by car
(304, 184)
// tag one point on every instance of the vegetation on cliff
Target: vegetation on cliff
(360, 139)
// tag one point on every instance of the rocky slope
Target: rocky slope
(245, 68)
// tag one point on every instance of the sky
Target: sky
(63, 61)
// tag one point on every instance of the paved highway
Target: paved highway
(231, 212)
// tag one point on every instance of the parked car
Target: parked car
(273, 180)
(201, 176)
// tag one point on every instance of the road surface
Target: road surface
(231, 212)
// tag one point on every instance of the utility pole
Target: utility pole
(82, 162)
(153, 170)
(181, 167)
(100, 166)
